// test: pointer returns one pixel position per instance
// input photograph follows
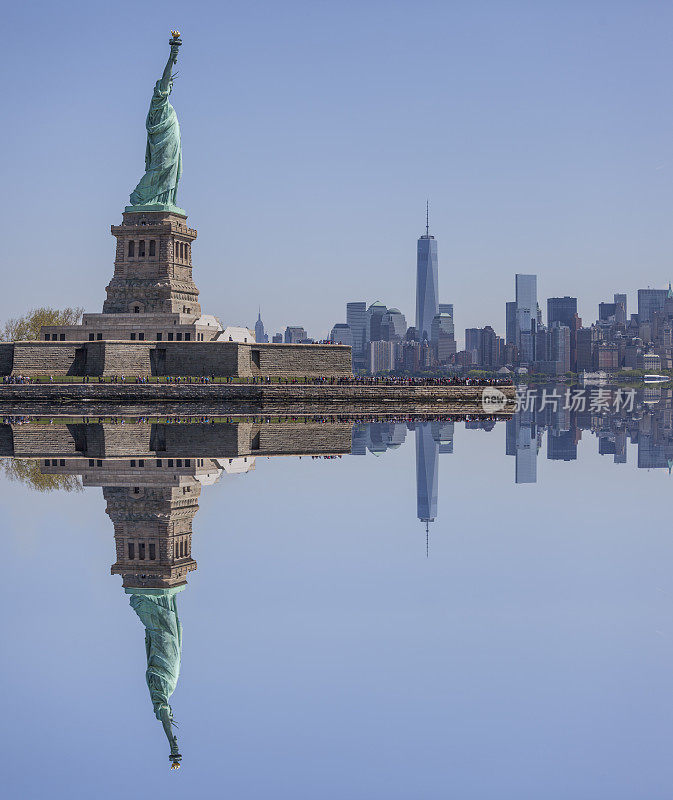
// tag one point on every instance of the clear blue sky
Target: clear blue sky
(314, 131)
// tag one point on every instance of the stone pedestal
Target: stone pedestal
(153, 266)
(152, 295)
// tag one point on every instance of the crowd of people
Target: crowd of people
(359, 380)
(14, 379)
(260, 419)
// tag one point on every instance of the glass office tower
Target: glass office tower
(526, 314)
(427, 292)
(561, 309)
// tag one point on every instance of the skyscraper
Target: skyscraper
(473, 343)
(356, 319)
(341, 334)
(443, 337)
(510, 323)
(375, 314)
(649, 301)
(427, 292)
(526, 314)
(294, 334)
(260, 335)
(393, 324)
(559, 346)
(561, 309)
(381, 356)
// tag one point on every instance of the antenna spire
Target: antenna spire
(427, 218)
(427, 538)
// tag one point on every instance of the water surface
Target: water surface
(476, 609)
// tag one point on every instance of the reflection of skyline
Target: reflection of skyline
(648, 426)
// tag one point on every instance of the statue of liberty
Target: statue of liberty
(158, 187)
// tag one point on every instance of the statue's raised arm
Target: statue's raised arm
(157, 189)
(172, 59)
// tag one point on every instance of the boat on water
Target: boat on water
(656, 378)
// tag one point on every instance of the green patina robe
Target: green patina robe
(163, 645)
(163, 155)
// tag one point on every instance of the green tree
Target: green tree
(27, 470)
(28, 326)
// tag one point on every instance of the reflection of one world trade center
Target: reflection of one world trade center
(432, 438)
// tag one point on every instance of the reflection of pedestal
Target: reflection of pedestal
(153, 533)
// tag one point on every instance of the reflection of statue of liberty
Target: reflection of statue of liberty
(158, 611)
(163, 155)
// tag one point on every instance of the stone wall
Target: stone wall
(298, 359)
(48, 358)
(193, 359)
(6, 441)
(6, 358)
(192, 441)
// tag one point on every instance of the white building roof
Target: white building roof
(233, 333)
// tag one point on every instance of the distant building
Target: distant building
(561, 309)
(489, 348)
(341, 334)
(586, 344)
(375, 314)
(620, 309)
(510, 323)
(473, 344)
(441, 323)
(446, 308)
(233, 333)
(651, 362)
(381, 357)
(277, 338)
(427, 291)
(443, 338)
(649, 301)
(606, 312)
(484, 346)
(393, 325)
(356, 319)
(526, 315)
(559, 347)
(606, 356)
(575, 325)
(260, 335)
(295, 334)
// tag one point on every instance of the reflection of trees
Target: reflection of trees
(27, 470)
